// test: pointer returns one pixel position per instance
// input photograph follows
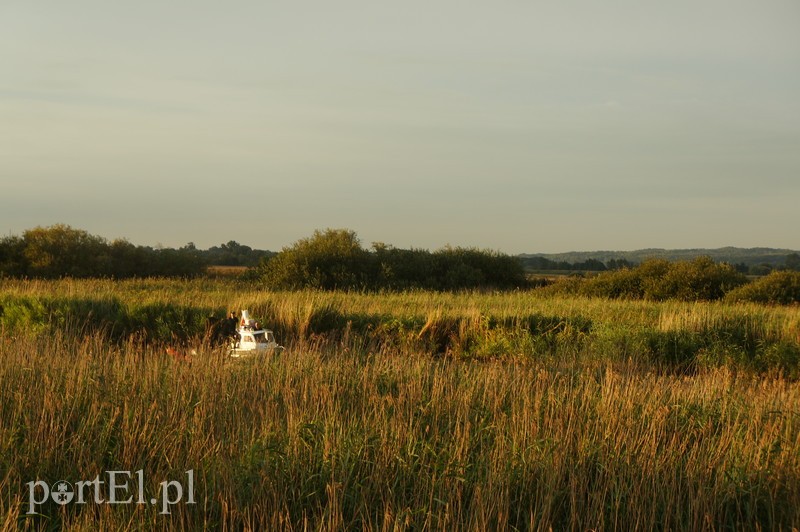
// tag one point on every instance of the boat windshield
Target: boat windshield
(265, 337)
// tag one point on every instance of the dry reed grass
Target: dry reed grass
(343, 432)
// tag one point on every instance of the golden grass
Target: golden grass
(343, 432)
(780, 322)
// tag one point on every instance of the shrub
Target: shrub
(659, 280)
(334, 259)
(778, 287)
(699, 279)
(327, 260)
(618, 284)
(61, 251)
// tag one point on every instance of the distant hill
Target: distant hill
(732, 255)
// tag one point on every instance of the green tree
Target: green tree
(793, 262)
(12, 258)
(128, 260)
(461, 268)
(234, 254)
(330, 259)
(60, 250)
(401, 269)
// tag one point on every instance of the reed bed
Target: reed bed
(471, 325)
(344, 438)
(349, 429)
(775, 322)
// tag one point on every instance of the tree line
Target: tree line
(62, 251)
(335, 259)
(791, 264)
(700, 279)
(330, 259)
(543, 264)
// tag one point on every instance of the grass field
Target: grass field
(401, 411)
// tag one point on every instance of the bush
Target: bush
(619, 284)
(699, 279)
(659, 280)
(781, 288)
(327, 260)
(334, 259)
(61, 251)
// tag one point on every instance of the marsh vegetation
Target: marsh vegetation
(403, 410)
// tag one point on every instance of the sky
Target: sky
(511, 125)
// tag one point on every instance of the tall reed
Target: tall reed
(339, 436)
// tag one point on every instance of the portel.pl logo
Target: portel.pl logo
(120, 487)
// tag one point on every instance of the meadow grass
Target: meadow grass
(545, 412)
(474, 325)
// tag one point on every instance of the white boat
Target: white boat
(252, 339)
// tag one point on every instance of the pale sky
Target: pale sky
(519, 126)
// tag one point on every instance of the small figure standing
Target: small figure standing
(231, 325)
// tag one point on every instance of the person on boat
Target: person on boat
(230, 328)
